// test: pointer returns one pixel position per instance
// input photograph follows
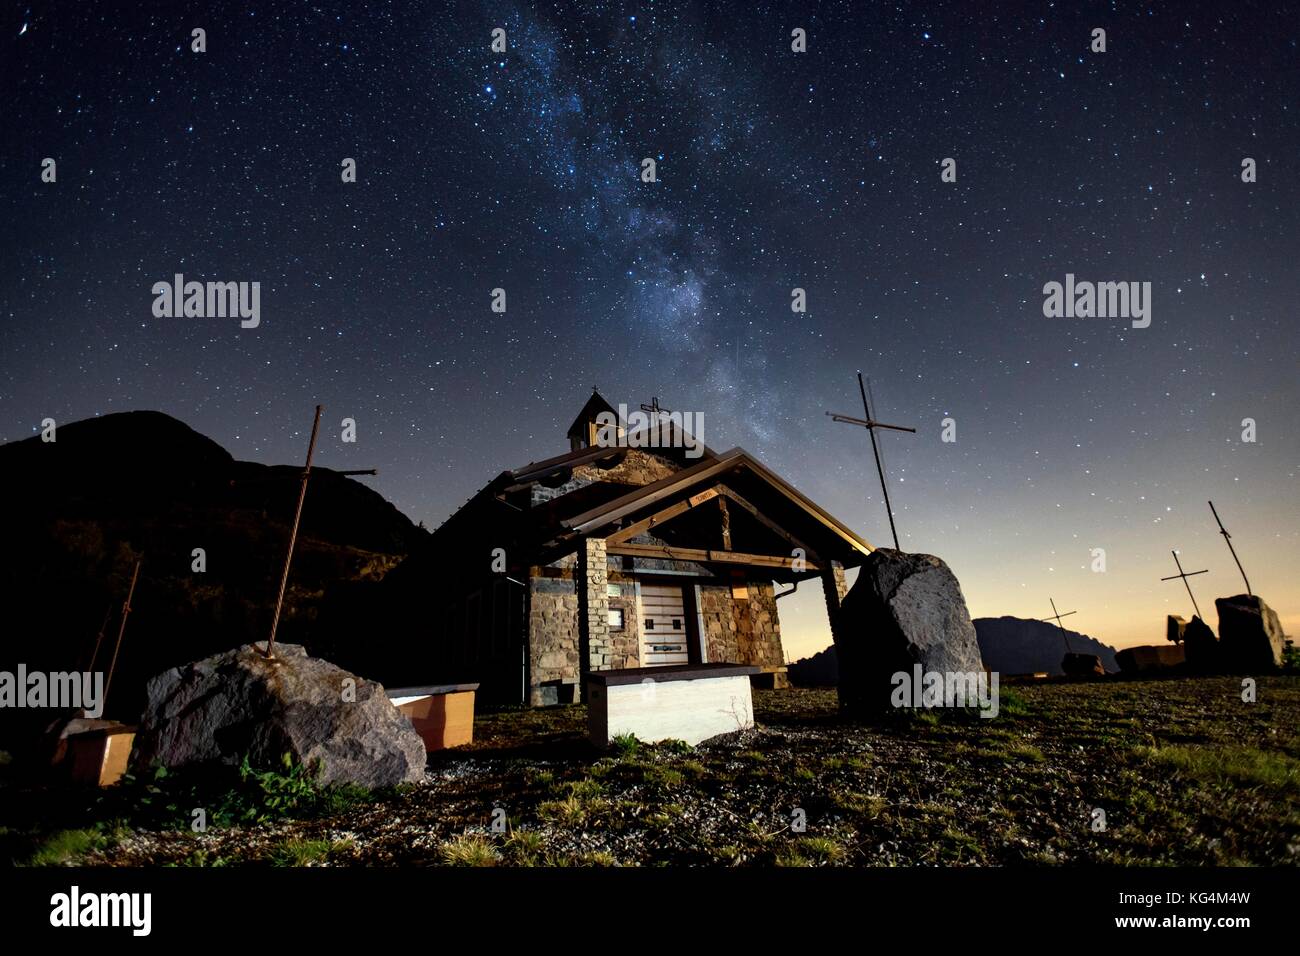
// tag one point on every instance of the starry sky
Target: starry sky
(775, 170)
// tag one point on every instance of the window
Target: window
(616, 618)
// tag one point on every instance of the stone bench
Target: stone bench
(689, 702)
(443, 714)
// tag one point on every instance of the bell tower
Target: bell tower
(585, 428)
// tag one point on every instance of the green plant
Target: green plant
(525, 846)
(201, 858)
(469, 849)
(303, 852)
(674, 746)
(66, 846)
(625, 745)
(168, 799)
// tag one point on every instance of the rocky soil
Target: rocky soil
(1113, 772)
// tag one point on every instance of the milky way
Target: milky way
(775, 170)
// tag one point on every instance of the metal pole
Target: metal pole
(879, 468)
(121, 629)
(1058, 624)
(293, 535)
(94, 655)
(1228, 538)
(1185, 584)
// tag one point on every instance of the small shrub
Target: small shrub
(469, 849)
(166, 799)
(569, 810)
(66, 846)
(525, 846)
(625, 745)
(202, 858)
(673, 746)
(301, 852)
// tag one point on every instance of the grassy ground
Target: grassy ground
(1152, 772)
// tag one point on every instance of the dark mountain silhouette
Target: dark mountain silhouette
(79, 511)
(1014, 645)
(820, 670)
(1008, 645)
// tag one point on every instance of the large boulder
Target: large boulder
(903, 610)
(1151, 659)
(1201, 647)
(1250, 635)
(1082, 665)
(239, 703)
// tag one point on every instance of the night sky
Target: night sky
(819, 170)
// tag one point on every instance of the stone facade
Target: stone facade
(566, 604)
(569, 601)
(569, 622)
(552, 637)
(742, 630)
(625, 644)
(835, 587)
(637, 468)
(593, 604)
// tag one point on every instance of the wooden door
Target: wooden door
(663, 625)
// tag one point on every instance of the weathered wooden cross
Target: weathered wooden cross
(1057, 615)
(1184, 575)
(1228, 538)
(870, 424)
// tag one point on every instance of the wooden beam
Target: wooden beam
(767, 522)
(659, 517)
(726, 522)
(669, 553)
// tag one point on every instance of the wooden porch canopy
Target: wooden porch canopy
(727, 510)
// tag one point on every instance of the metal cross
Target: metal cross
(1228, 538)
(1185, 575)
(871, 425)
(293, 536)
(654, 408)
(1057, 615)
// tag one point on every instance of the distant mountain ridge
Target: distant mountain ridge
(79, 511)
(1008, 645)
(1014, 645)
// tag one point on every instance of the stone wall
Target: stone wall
(719, 619)
(569, 623)
(742, 630)
(834, 588)
(625, 645)
(760, 640)
(553, 637)
(593, 605)
(637, 468)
